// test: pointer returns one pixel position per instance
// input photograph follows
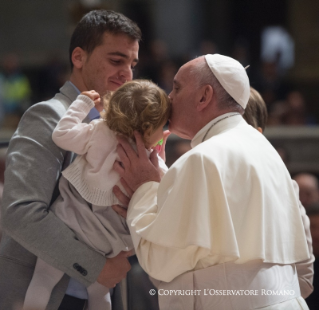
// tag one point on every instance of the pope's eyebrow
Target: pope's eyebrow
(176, 83)
(122, 55)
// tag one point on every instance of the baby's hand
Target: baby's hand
(93, 95)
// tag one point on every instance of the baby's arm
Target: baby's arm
(71, 134)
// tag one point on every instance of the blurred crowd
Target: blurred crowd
(286, 104)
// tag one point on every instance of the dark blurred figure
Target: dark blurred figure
(15, 92)
(166, 75)
(52, 77)
(308, 189)
(292, 111)
(283, 153)
(276, 113)
(296, 113)
(270, 84)
(152, 60)
(241, 51)
(313, 213)
(207, 47)
(176, 149)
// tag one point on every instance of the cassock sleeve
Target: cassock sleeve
(178, 225)
(160, 262)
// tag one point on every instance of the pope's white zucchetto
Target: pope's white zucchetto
(231, 75)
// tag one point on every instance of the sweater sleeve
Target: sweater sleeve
(71, 134)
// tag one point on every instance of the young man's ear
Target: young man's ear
(78, 57)
(206, 95)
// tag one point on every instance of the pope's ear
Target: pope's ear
(206, 95)
(78, 57)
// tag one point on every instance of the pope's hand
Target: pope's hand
(125, 200)
(136, 168)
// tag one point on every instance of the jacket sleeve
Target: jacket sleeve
(71, 134)
(33, 168)
(305, 268)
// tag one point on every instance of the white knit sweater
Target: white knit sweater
(92, 172)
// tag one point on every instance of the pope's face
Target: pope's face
(183, 102)
(110, 64)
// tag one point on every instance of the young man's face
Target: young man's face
(110, 64)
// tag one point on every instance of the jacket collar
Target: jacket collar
(69, 90)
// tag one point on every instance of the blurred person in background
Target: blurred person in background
(52, 77)
(270, 84)
(166, 75)
(308, 189)
(296, 111)
(103, 51)
(15, 91)
(177, 149)
(153, 59)
(292, 111)
(240, 51)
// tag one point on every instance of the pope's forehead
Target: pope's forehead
(187, 68)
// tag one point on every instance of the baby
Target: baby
(86, 185)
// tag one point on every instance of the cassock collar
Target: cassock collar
(225, 121)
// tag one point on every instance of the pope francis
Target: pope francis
(222, 229)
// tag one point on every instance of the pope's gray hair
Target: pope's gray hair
(203, 75)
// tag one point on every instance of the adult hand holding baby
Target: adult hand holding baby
(115, 269)
(136, 170)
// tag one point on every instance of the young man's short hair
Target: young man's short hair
(88, 33)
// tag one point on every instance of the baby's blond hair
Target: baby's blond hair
(138, 105)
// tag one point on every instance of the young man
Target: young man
(103, 51)
(222, 229)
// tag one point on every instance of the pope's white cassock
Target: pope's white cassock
(224, 223)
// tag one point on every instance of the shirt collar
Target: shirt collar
(77, 90)
(215, 126)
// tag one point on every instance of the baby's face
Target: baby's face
(154, 138)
